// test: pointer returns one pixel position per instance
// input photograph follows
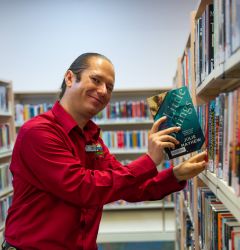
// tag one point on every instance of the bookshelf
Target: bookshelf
(7, 136)
(220, 183)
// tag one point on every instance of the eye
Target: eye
(95, 80)
(109, 88)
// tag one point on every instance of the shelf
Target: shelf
(6, 191)
(224, 77)
(129, 206)
(137, 225)
(136, 236)
(122, 121)
(5, 113)
(5, 82)
(112, 122)
(232, 65)
(5, 153)
(127, 151)
(18, 124)
(223, 192)
(139, 92)
(35, 93)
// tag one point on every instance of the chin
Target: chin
(92, 113)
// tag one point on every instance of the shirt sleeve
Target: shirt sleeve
(155, 188)
(43, 158)
(161, 185)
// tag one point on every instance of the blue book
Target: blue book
(177, 105)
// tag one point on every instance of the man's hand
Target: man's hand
(158, 140)
(191, 167)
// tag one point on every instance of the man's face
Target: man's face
(93, 92)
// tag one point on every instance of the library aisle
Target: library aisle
(208, 210)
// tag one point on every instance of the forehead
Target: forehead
(102, 67)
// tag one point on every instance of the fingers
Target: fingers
(200, 166)
(194, 169)
(165, 131)
(165, 141)
(169, 130)
(199, 157)
(167, 145)
(168, 138)
(156, 124)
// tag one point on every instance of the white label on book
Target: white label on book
(178, 151)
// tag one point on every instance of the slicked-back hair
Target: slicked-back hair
(78, 66)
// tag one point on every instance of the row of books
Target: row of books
(220, 119)
(121, 109)
(188, 195)
(24, 112)
(177, 202)
(5, 142)
(4, 102)
(189, 240)
(218, 228)
(5, 177)
(127, 139)
(125, 109)
(205, 41)
(217, 36)
(187, 217)
(186, 68)
(5, 203)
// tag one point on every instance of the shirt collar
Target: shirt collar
(68, 123)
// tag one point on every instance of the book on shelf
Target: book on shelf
(136, 110)
(216, 222)
(128, 139)
(4, 100)
(177, 105)
(222, 126)
(235, 236)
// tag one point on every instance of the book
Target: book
(177, 105)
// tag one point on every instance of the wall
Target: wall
(143, 38)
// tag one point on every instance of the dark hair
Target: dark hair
(78, 66)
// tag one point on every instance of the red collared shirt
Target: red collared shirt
(60, 189)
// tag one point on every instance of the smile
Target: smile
(95, 98)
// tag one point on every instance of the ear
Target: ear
(69, 78)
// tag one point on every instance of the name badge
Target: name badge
(97, 148)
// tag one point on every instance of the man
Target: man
(63, 173)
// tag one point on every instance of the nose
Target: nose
(102, 89)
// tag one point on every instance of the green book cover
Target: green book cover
(177, 105)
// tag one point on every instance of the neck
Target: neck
(80, 119)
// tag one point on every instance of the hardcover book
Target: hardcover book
(178, 107)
